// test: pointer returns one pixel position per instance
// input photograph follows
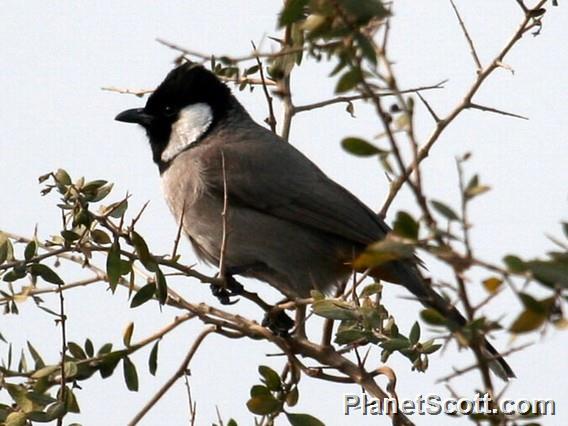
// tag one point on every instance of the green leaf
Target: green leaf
(153, 359)
(405, 226)
(359, 147)
(271, 378)
(263, 405)
(303, 420)
(528, 320)
(109, 363)
(232, 422)
(293, 11)
(76, 350)
(89, 349)
(30, 250)
(45, 371)
(161, 287)
(551, 274)
(433, 317)
(348, 336)
(116, 210)
(444, 210)
(334, 309)
(143, 253)
(348, 81)
(292, 397)
(46, 273)
(383, 251)
(113, 265)
(62, 177)
(395, 344)
(371, 289)
(414, 335)
(130, 374)
(259, 390)
(14, 275)
(39, 363)
(100, 237)
(143, 295)
(515, 264)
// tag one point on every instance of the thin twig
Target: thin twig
(497, 111)
(362, 96)
(179, 373)
(271, 120)
(62, 321)
(460, 371)
(223, 249)
(468, 37)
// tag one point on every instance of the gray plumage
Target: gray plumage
(288, 223)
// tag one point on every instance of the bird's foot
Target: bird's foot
(224, 293)
(278, 322)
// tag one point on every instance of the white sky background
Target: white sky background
(57, 56)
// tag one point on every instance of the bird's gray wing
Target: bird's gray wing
(270, 175)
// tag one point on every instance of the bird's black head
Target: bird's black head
(190, 101)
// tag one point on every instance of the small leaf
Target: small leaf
(143, 253)
(161, 287)
(334, 309)
(405, 226)
(515, 264)
(371, 289)
(348, 80)
(89, 349)
(62, 177)
(130, 374)
(492, 284)
(45, 371)
(359, 147)
(39, 363)
(292, 397)
(303, 420)
(414, 335)
(143, 295)
(100, 237)
(271, 378)
(113, 265)
(76, 350)
(433, 317)
(551, 274)
(383, 251)
(30, 250)
(444, 210)
(127, 334)
(293, 11)
(528, 320)
(153, 359)
(263, 405)
(46, 273)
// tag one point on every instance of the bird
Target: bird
(287, 223)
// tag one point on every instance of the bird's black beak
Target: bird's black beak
(135, 115)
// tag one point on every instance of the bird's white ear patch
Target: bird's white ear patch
(192, 122)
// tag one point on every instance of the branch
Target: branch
(363, 96)
(397, 183)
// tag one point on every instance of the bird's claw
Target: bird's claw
(224, 294)
(278, 322)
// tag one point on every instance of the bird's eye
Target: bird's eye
(169, 110)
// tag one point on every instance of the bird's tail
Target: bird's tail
(407, 275)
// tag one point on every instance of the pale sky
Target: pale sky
(58, 55)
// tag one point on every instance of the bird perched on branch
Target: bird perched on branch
(287, 223)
